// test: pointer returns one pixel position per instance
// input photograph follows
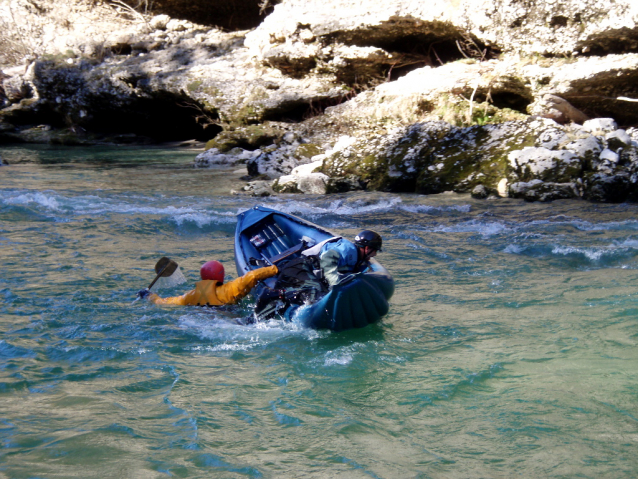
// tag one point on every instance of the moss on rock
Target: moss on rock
(308, 150)
(248, 137)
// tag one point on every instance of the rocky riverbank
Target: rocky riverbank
(538, 102)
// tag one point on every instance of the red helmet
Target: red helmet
(212, 270)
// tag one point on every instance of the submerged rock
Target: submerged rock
(214, 157)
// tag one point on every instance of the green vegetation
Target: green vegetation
(249, 137)
(194, 86)
(308, 150)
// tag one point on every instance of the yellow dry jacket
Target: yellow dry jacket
(211, 293)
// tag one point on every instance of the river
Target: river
(509, 349)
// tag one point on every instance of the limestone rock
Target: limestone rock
(618, 139)
(609, 188)
(259, 188)
(557, 109)
(480, 192)
(398, 95)
(544, 164)
(234, 156)
(545, 27)
(537, 190)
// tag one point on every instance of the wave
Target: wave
(42, 200)
(606, 226)
(55, 206)
(533, 228)
(429, 209)
(335, 207)
(483, 228)
(201, 219)
(314, 210)
(616, 253)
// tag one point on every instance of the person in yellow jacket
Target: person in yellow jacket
(211, 290)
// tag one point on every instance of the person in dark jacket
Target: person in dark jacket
(339, 257)
(320, 268)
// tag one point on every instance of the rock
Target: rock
(259, 188)
(313, 184)
(600, 126)
(502, 188)
(159, 22)
(544, 164)
(609, 156)
(308, 168)
(286, 184)
(618, 139)
(557, 109)
(344, 184)
(277, 160)
(394, 96)
(480, 192)
(587, 148)
(15, 89)
(609, 188)
(249, 137)
(537, 190)
(303, 179)
(235, 156)
(537, 28)
(178, 25)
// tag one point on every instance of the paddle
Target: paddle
(164, 268)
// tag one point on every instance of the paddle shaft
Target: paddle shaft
(164, 267)
(158, 276)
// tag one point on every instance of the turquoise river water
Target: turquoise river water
(510, 348)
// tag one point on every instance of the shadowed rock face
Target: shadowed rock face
(230, 15)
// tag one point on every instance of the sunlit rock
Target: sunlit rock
(618, 139)
(501, 188)
(608, 155)
(600, 126)
(480, 192)
(541, 163)
(538, 190)
(234, 156)
(557, 109)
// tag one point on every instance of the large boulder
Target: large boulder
(544, 27)
(536, 159)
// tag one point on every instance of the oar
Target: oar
(164, 267)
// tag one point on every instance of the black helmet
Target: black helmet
(368, 238)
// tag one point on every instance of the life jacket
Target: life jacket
(316, 249)
(205, 293)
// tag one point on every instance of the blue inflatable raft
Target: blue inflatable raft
(271, 236)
